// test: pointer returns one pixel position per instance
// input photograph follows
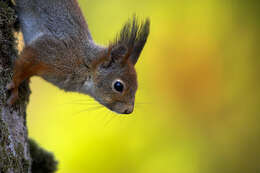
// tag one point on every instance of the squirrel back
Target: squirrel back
(57, 18)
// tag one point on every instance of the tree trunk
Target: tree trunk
(15, 148)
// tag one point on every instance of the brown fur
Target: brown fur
(26, 66)
(59, 48)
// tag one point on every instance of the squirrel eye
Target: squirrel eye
(118, 86)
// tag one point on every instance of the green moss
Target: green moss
(42, 161)
(4, 140)
(25, 164)
(7, 160)
(12, 156)
(8, 44)
(3, 132)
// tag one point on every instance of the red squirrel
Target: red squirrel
(60, 49)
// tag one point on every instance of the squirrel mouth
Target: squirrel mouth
(120, 108)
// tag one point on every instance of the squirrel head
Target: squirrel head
(114, 79)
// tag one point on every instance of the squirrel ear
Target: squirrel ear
(134, 35)
(136, 52)
(118, 53)
(141, 37)
(115, 54)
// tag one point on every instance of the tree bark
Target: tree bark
(15, 147)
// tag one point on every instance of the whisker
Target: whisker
(80, 101)
(105, 116)
(123, 121)
(77, 102)
(86, 104)
(85, 99)
(110, 119)
(89, 109)
(143, 103)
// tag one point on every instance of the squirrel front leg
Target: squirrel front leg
(26, 65)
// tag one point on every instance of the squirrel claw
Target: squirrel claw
(10, 86)
(14, 96)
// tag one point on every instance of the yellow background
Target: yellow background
(197, 106)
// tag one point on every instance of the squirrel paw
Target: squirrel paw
(10, 86)
(14, 96)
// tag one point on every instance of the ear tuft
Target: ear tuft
(118, 52)
(134, 35)
(114, 54)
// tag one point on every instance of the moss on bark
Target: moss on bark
(14, 144)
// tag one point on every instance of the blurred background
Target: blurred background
(198, 102)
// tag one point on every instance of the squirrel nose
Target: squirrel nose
(128, 111)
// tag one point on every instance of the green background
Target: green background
(197, 106)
